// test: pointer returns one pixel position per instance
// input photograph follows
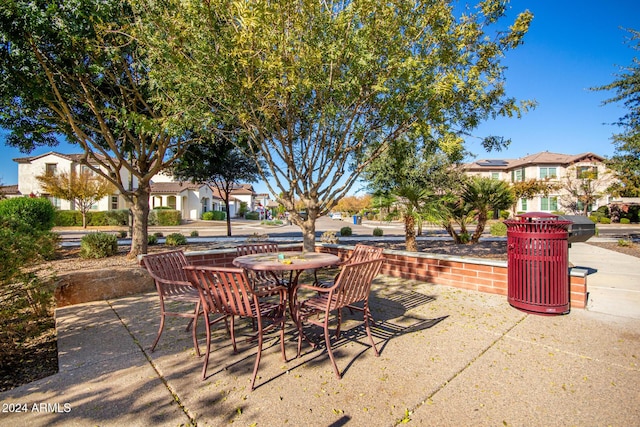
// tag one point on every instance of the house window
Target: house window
(495, 175)
(523, 204)
(587, 172)
(549, 203)
(114, 203)
(580, 206)
(56, 202)
(171, 202)
(50, 168)
(518, 175)
(548, 173)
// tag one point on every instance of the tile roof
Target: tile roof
(543, 157)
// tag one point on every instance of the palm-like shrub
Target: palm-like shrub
(483, 195)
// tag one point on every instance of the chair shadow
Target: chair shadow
(383, 329)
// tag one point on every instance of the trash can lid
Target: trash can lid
(543, 215)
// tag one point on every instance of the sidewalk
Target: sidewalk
(448, 357)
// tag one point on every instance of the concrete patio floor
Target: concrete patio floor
(448, 357)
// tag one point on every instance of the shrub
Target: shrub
(207, 216)
(378, 231)
(505, 214)
(175, 239)
(219, 215)
(122, 234)
(67, 219)
(625, 221)
(194, 233)
(257, 237)
(605, 220)
(252, 215)
(329, 237)
(158, 234)
(625, 243)
(346, 231)
(152, 239)
(595, 218)
(98, 245)
(498, 229)
(168, 217)
(38, 212)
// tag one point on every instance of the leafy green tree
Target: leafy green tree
(322, 88)
(583, 188)
(482, 195)
(84, 189)
(626, 160)
(220, 163)
(530, 188)
(418, 179)
(71, 69)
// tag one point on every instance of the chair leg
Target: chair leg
(195, 327)
(368, 329)
(206, 356)
(233, 334)
(257, 364)
(153, 347)
(327, 339)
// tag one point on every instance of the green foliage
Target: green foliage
(152, 239)
(270, 222)
(98, 245)
(165, 217)
(626, 243)
(158, 234)
(254, 216)
(505, 214)
(605, 220)
(38, 212)
(243, 209)
(122, 234)
(346, 231)
(498, 229)
(378, 232)
(219, 215)
(416, 68)
(626, 159)
(175, 239)
(207, 216)
(194, 233)
(68, 219)
(625, 221)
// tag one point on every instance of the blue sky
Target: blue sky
(572, 45)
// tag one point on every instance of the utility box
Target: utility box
(538, 263)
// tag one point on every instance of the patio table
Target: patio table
(295, 262)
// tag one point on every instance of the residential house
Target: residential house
(190, 199)
(554, 167)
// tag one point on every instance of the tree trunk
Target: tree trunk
(140, 211)
(84, 219)
(227, 211)
(482, 221)
(452, 232)
(410, 233)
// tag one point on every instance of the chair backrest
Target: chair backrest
(167, 269)
(256, 248)
(354, 282)
(364, 253)
(223, 289)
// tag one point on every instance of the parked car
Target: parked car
(335, 215)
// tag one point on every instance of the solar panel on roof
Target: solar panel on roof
(493, 163)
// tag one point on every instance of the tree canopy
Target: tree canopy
(317, 85)
(626, 160)
(75, 69)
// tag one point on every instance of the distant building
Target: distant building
(190, 199)
(545, 166)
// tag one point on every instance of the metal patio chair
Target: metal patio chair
(166, 269)
(227, 291)
(352, 285)
(263, 280)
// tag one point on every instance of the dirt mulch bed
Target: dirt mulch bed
(37, 357)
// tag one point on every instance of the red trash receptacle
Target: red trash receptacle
(538, 263)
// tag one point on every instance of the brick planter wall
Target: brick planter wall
(476, 274)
